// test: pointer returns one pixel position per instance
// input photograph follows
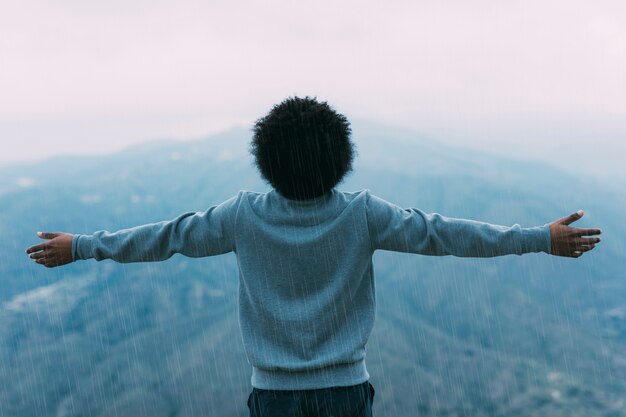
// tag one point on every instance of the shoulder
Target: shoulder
(349, 196)
(253, 198)
(367, 198)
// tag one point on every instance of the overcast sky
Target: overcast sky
(540, 79)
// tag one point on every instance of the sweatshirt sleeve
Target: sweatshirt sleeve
(193, 234)
(411, 230)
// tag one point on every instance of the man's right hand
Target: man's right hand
(569, 241)
(56, 251)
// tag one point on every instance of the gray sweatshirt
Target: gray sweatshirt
(306, 280)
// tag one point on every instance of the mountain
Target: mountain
(530, 335)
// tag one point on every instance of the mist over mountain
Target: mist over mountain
(509, 336)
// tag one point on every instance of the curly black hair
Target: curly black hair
(302, 147)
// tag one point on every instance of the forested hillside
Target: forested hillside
(514, 336)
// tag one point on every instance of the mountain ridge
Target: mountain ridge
(162, 339)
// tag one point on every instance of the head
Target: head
(302, 147)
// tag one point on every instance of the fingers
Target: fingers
(580, 246)
(47, 235)
(39, 255)
(572, 217)
(587, 232)
(42, 246)
(584, 248)
(583, 244)
(47, 259)
(56, 251)
(580, 250)
(585, 241)
(48, 262)
(37, 248)
(41, 260)
(43, 257)
(571, 244)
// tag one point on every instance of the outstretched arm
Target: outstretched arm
(191, 234)
(411, 230)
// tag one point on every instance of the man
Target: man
(304, 251)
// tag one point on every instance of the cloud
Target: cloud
(442, 67)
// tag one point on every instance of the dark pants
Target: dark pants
(353, 401)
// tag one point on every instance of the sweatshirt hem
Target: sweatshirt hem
(341, 375)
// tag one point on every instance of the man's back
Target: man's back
(306, 298)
